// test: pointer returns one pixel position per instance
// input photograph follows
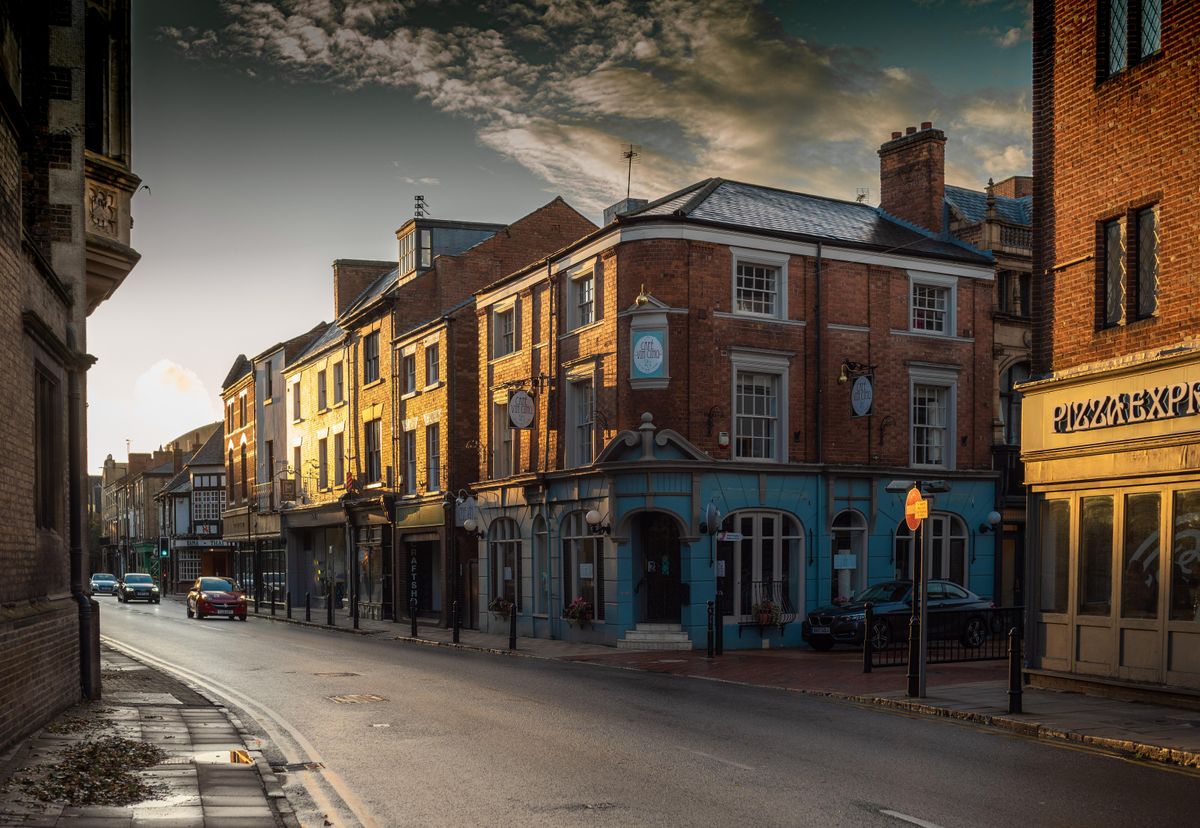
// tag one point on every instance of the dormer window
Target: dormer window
(416, 250)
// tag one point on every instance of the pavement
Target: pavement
(198, 784)
(972, 691)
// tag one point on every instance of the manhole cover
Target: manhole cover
(335, 675)
(357, 698)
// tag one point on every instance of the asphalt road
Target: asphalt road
(460, 738)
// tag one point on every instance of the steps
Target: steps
(655, 637)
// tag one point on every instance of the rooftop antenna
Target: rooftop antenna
(630, 155)
(420, 206)
(863, 194)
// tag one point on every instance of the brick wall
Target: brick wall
(315, 423)
(912, 177)
(241, 427)
(39, 656)
(1101, 149)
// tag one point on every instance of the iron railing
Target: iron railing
(954, 635)
(756, 593)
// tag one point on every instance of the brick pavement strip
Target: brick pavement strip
(146, 705)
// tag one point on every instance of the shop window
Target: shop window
(849, 538)
(1095, 555)
(947, 549)
(764, 565)
(504, 541)
(1055, 555)
(1139, 563)
(583, 564)
(1185, 558)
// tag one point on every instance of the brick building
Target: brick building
(65, 188)
(739, 358)
(997, 219)
(435, 403)
(1112, 418)
(189, 517)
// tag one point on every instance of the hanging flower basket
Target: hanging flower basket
(500, 607)
(768, 613)
(578, 612)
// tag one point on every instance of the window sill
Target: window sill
(408, 395)
(337, 404)
(268, 400)
(323, 410)
(372, 383)
(376, 485)
(296, 420)
(581, 329)
(504, 357)
(433, 386)
(757, 317)
(941, 337)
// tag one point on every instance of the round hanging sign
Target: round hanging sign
(648, 354)
(520, 409)
(862, 396)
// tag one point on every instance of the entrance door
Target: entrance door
(660, 561)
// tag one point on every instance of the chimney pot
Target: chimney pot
(926, 124)
(895, 135)
(910, 130)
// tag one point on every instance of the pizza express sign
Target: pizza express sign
(1161, 402)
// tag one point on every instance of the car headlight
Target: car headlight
(856, 616)
(204, 596)
(154, 589)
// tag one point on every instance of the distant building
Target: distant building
(189, 509)
(1111, 430)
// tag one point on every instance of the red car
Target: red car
(216, 596)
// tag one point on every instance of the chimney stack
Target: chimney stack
(912, 176)
(351, 277)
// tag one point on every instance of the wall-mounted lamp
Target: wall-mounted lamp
(595, 524)
(993, 519)
(851, 369)
(471, 525)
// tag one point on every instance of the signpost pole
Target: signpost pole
(926, 549)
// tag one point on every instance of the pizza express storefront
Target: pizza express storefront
(1113, 462)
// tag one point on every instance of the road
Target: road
(462, 738)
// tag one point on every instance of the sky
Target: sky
(274, 136)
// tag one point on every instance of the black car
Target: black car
(137, 586)
(949, 618)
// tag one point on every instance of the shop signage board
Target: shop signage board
(862, 397)
(520, 409)
(845, 560)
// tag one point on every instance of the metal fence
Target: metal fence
(954, 635)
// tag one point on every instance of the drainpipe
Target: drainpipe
(88, 667)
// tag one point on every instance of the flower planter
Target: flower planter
(579, 622)
(764, 619)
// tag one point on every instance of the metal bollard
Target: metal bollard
(868, 644)
(329, 608)
(355, 605)
(914, 655)
(720, 624)
(512, 627)
(455, 621)
(287, 597)
(1014, 671)
(710, 629)
(308, 607)
(412, 617)
(272, 602)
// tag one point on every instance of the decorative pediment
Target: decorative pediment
(650, 444)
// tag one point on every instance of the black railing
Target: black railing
(954, 635)
(757, 593)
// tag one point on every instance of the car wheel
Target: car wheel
(199, 614)
(881, 634)
(822, 644)
(975, 632)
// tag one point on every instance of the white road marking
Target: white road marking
(910, 819)
(719, 759)
(266, 717)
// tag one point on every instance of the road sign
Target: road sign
(916, 509)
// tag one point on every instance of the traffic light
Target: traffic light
(163, 548)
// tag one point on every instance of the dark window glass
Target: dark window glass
(372, 448)
(323, 463)
(1185, 558)
(1095, 555)
(1151, 20)
(1114, 272)
(339, 471)
(338, 384)
(48, 469)
(1118, 27)
(1146, 285)
(245, 488)
(1055, 557)
(1139, 564)
(321, 391)
(370, 357)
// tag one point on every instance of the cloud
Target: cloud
(562, 86)
(169, 399)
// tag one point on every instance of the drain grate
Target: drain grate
(336, 675)
(357, 698)
(298, 766)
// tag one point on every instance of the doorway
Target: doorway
(662, 585)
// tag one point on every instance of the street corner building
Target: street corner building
(1112, 415)
(65, 191)
(697, 408)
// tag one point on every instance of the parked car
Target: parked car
(216, 596)
(104, 583)
(137, 586)
(891, 602)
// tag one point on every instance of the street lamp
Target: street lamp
(595, 526)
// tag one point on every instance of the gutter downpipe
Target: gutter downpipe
(88, 673)
(820, 425)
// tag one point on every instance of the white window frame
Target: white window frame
(580, 546)
(540, 576)
(761, 362)
(760, 258)
(506, 441)
(580, 430)
(433, 367)
(941, 282)
(754, 544)
(502, 340)
(408, 365)
(410, 461)
(433, 457)
(504, 540)
(937, 376)
(943, 525)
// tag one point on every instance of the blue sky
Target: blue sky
(278, 136)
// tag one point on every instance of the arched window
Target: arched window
(583, 564)
(1010, 401)
(948, 553)
(504, 546)
(541, 566)
(761, 556)
(849, 550)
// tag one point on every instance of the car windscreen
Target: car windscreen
(103, 576)
(883, 593)
(216, 585)
(138, 579)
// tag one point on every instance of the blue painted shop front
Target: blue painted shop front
(791, 538)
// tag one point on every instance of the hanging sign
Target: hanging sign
(520, 409)
(862, 397)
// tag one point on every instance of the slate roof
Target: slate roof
(971, 205)
(332, 333)
(209, 454)
(292, 346)
(181, 482)
(373, 291)
(736, 204)
(241, 367)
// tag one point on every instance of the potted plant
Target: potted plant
(578, 612)
(500, 607)
(767, 612)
